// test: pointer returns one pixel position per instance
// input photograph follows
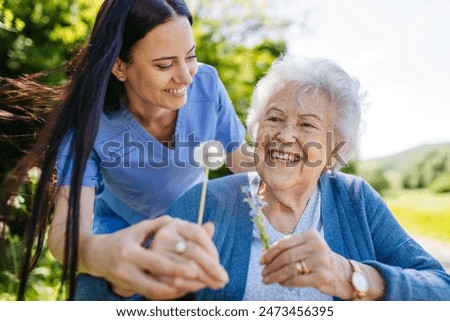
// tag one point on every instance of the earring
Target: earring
(122, 79)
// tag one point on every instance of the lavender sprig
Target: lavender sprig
(256, 204)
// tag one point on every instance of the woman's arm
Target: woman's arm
(57, 231)
(120, 257)
(399, 270)
(409, 272)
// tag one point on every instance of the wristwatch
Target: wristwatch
(359, 280)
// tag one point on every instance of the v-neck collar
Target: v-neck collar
(131, 121)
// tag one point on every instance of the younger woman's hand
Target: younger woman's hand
(197, 254)
(159, 272)
(131, 268)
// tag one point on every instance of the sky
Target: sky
(399, 50)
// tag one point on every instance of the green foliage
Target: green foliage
(375, 176)
(351, 167)
(44, 280)
(426, 170)
(41, 35)
(440, 184)
(37, 35)
(377, 179)
(407, 159)
(233, 36)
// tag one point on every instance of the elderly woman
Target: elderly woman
(332, 235)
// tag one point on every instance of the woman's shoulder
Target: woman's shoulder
(346, 193)
(229, 182)
(113, 124)
(205, 85)
(205, 70)
(344, 178)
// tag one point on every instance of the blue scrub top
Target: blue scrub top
(136, 177)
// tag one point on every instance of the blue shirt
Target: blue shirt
(136, 177)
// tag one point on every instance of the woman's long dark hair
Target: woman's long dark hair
(91, 90)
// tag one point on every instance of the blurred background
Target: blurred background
(397, 49)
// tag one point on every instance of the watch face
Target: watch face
(360, 282)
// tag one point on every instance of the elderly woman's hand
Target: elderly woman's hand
(306, 260)
(158, 273)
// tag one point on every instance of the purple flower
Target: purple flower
(253, 213)
(256, 204)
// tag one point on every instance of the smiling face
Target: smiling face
(291, 146)
(160, 69)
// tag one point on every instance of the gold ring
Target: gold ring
(299, 267)
(305, 269)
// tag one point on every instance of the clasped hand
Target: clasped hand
(161, 271)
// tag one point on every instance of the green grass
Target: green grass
(421, 212)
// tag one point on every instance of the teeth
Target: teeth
(177, 91)
(287, 157)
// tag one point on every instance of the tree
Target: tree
(351, 167)
(441, 184)
(377, 179)
(36, 35)
(236, 37)
(41, 35)
(429, 168)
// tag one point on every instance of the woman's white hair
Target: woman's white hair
(314, 75)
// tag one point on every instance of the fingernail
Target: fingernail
(224, 277)
(220, 285)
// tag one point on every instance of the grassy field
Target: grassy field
(421, 212)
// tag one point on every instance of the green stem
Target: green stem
(259, 221)
(15, 260)
(203, 197)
